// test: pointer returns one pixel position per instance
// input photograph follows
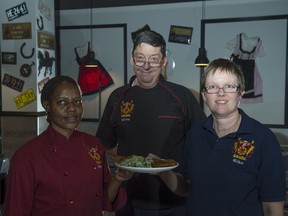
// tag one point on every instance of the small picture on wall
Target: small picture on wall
(9, 58)
(180, 34)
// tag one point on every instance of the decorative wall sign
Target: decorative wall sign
(13, 82)
(14, 31)
(25, 69)
(25, 98)
(9, 58)
(45, 10)
(180, 34)
(41, 84)
(46, 40)
(17, 11)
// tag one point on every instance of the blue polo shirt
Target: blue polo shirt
(232, 175)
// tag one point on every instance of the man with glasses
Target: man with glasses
(149, 115)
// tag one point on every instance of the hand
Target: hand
(123, 175)
(152, 156)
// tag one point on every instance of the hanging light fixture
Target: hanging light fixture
(90, 60)
(202, 60)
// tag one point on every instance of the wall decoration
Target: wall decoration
(16, 31)
(16, 11)
(13, 82)
(46, 40)
(46, 62)
(40, 23)
(24, 55)
(9, 58)
(92, 79)
(25, 98)
(273, 110)
(110, 47)
(180, 34)
(45, 10)
(26, 69)
(42, 83)
(245, 50)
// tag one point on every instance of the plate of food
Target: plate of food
(139, 164)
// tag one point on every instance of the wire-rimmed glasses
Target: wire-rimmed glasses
(153, 61)
(228, 88)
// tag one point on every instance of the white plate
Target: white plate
(146, 170)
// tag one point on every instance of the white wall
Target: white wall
(161, 17)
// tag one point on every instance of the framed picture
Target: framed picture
(109, 43)
(16, 31)
(271, 61)
(9, 58)
(180, 34)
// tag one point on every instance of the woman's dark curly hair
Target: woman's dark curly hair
(52, 84)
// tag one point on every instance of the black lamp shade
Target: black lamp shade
(89, 59)
(201, 60)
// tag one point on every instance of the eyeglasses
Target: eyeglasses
(154, 61)
(213, 89)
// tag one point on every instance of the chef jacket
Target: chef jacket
(51, 175)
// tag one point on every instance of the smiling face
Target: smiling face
(148, 74)
(64, 108)
(222, 104)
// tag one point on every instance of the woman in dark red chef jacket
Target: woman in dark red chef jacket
(63, 171)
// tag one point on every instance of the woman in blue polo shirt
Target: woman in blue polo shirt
(234, 163)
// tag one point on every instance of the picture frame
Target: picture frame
(273, 110)
(16, 31)
(109, 42)
(180, 34)
(9, 58)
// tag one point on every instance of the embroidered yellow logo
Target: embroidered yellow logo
(126, 109)
(242, 150)
(94, 154)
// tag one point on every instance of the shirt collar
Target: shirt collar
(161, 78)
(59, 138)
(246, 125)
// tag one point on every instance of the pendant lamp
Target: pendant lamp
(202, 60)
(90, 60)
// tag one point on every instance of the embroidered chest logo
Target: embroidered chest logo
(126, 109)
(242, 150)
(95, 155)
